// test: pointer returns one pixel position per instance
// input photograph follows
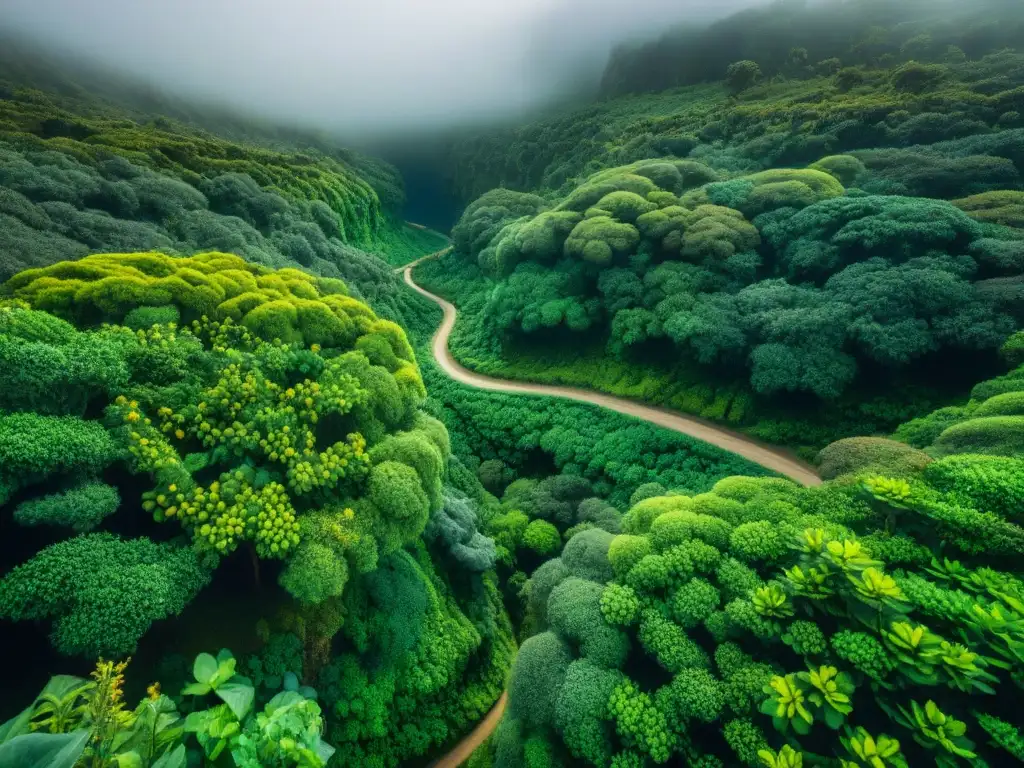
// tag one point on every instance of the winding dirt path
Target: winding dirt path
(460, 752)
(776, 459)
(773, 458)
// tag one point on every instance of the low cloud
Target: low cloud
(359, 68)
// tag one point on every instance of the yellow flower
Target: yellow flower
(153, 691)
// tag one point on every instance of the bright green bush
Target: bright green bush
(49, 367)
(538, 674)
(745, 739)
(736, 579)
(619, 604)
(669, 645)
(586, 555)
(998, 435)
(1006, 404)
(542, 537)
(316, 456)
(80, 508)
(101, 592)
(650, 574)
(625, 551)
(693, 602)
(758, 543)
(288, 304)
(872, 455)
(580, 713)
(991, 483)
(575, 613)
(695, 694)
(639, 723)
(805, 638)
(744, 687)
(845, 168)
(827, 598)
(643, 514)
(33, 447)
(599, 239)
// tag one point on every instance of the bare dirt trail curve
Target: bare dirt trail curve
(773, 458)
(460, 752)
(768, 456)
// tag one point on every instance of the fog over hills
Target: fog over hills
(351, 68)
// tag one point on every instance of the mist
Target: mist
(359, 69)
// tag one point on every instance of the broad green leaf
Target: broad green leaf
(291, 682)
(128, 760)
(215, 752)
(196, 722)
(44, 750)
(238, 696)
(62, 685)
(58, 686)
(204, 668)
(16, 726)
(225, 671)
(175, 758)
(196, 689)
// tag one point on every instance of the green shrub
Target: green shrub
(870, 455)
(542, 537)
(997, 435)
(101, 592)
(1006, 404)
(80, 508)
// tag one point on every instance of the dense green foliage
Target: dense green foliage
(850, 95)
(546, 436)
(826, 243)
(991, 423)
(90, 163)
(762, 624)
(247, 412)
(799, 260)
(796, 40)
(220, 423)
(74, 721)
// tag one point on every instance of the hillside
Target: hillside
(807, 256)
(699, 442)
(86, 171)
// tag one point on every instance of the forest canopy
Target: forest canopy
(258, 524)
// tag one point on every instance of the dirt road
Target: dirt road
(769, 456)
(461, 752)
(766, 455)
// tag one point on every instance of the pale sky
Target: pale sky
(368, 66)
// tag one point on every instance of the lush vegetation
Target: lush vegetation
(853, 88)
(90, 164)
(816, 255)
(791, 38)
(75, 721)
(875, 619)
(162, 417)
(825, 244)
(221, 425)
